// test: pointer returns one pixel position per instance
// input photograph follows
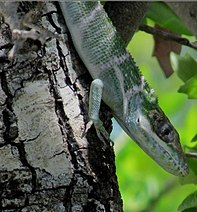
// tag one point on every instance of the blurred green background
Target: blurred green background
(143, 184)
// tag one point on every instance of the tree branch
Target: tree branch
(191, 155)
(167, 35)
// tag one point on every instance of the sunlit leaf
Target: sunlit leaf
(190, 202)
(161, 14)
(190, 88)
(185, 66)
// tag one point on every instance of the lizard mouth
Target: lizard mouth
(169, 159)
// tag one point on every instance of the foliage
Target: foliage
(143, 184)
(190, 202)
(186, 68)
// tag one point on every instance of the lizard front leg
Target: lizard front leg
(96, 91)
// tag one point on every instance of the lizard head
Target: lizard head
(149, 127)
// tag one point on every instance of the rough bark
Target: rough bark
(45, 165)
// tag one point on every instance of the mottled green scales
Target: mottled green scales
(119, 83)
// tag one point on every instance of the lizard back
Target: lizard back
(103, 52)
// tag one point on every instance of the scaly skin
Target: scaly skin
(121, 86)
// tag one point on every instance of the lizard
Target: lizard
(118, 82)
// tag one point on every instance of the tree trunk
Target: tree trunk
(45, 164)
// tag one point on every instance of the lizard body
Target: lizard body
(119, 83)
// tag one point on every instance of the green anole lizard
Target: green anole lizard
(119, 83)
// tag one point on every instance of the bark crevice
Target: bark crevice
(48, 165)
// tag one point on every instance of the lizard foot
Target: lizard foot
(102, 134)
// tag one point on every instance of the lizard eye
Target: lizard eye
(162, 126)
(166, 133)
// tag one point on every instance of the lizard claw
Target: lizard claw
(102, 133)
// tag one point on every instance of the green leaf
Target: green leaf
(190, 88)
(161, 14)
(193, 165)
(185, 66)
(194, 139)
(190, 202)
(190, 149)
